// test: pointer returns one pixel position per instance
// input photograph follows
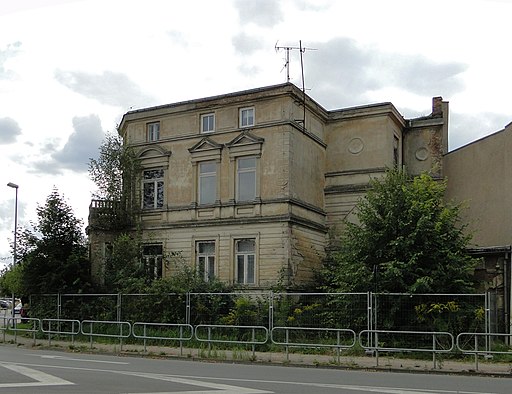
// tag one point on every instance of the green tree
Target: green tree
(53, 254)
(407, 240)
(11, 280)
(124, 271)
(115, 173)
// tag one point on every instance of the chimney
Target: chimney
(437, 106)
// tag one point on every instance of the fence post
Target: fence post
(369, 316)
(476, 352)
(187, 308)
(338, 343)
(271, 311)
(487, 320)
(287, 340)
(434, 349)
(145, 334)
(59, 305)
(253, 345)
(181, 342)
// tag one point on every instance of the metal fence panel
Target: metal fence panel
(321, 310)
(232, 309)
(453, 313)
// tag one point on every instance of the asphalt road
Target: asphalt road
(25, 371)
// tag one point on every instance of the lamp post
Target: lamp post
(14, 186)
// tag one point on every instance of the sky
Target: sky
(70, 69)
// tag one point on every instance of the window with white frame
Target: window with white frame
(246, 117)
(205, 252)
(152, 260)
(153, 131)
(246, 179)
(207, 123)
(153, 189)
(245, 257)
(207, 187)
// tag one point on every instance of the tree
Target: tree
(115, 174)
(408, 240)
(54, 254)
(124, 271)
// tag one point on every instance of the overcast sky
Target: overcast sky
(70, 69)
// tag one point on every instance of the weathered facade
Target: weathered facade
(246, 185)
(479, 175)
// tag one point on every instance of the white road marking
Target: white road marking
(217, 388)
(41, 378)
(189, 378)
(80, 359)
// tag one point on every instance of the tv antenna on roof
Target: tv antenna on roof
(301, 50)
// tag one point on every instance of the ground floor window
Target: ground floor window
(245, 256)
(205, 252)
(152, 260)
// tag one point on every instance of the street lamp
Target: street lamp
(14, 186)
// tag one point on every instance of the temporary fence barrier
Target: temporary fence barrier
(182, 328)
(488, 351)
(433, 346)
(61, 329)
(121, 334)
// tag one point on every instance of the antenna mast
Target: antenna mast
(301, 50)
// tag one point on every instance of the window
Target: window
(207, 182)
(205, 252)
(108, 250)
(153, 189)
(246, 179)
(152, 260)
(153, 131)
(245, 261)
(396, 154)
(207, 123)
(246, 117)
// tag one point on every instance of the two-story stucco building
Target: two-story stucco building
(479, 175)
(246, 185)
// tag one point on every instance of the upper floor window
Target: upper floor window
(396, 153)
(245, 257)
(246, 179)
(205, 252)
(153, 131)
(153, 189)
(207, 182)
(246, 117)
(207, 123)
(152, 260)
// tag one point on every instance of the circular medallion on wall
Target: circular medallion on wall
(355, 145)
(422, 154)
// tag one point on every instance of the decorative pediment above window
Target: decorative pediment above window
(155, 155)
(206, 149)
(245, 144)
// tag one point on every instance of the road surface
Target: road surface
(24, 371)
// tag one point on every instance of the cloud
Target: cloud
(245, 44)
(265, 13)
(9, 130)
(422, 76)
(177, 38)
(81, 145)
(466, 128)
(7, 213)
(11, 51)
(348, 72)
(109, 88)
(314, 6)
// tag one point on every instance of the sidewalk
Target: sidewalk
(385, 362)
